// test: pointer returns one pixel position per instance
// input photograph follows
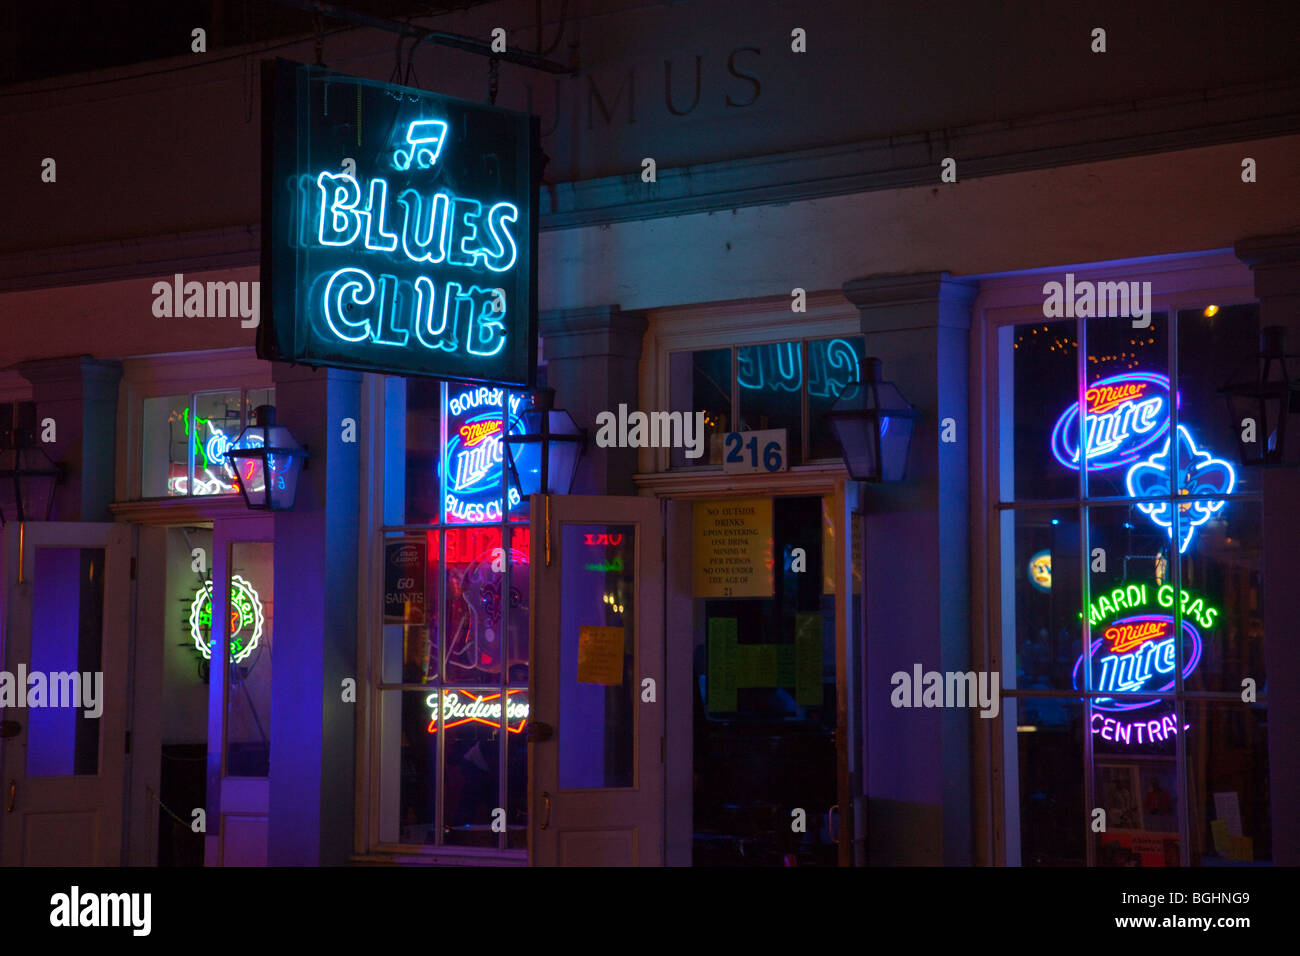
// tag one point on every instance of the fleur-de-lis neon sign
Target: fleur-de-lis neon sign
(1196, 472)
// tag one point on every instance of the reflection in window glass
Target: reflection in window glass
(701, 381)
(185, 439)
(166, 435)
(832, 364)
(769, 381)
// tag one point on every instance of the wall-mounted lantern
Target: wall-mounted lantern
(265, 463)
(873, 424)
(544, 446)
(1265, 402)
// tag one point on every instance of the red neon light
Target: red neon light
(1125, 637)
(433, 724)
(1105, 397)
(475, 432)
(595, 539)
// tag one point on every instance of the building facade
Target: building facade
(1059, 255)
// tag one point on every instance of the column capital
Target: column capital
(597, 330)
(912, 301)
(1275, 261)
(73, 377)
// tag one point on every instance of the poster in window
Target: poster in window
(404, 582)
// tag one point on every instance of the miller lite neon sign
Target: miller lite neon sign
(1125, 415)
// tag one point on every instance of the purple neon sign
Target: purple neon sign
(1126, 414)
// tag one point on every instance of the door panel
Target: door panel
(68, 595)
(239, 691)
(595, 747)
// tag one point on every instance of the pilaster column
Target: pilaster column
(1275, 261)
(80, 394)
(593, 357)
(917, 574)
(315, 635)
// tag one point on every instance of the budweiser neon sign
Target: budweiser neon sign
(1125, 415)
(482, 709)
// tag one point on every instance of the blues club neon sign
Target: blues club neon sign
(1126, 425)
(399, 230)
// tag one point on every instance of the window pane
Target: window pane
(1211, 351)
(1128, 409)
(423, 401)
(471, 720)
(216, 424)
(1221, 569)
(1042, 591)
(1049, 734)
(164, 465)
(832, 364)
(411, 577)
(1140, 797)
(701, 381)
(1228, 783)
(597, 692)
(1037, 431)
(1131, 621)
(67, 638)
(408, 767)
(473, 472)
(251, 612)
(771, 391)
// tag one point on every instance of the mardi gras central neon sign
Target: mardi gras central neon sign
(1125, 415)
(407, 242)
(245, 619)
(1138, 652)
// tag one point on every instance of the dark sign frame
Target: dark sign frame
(482, 263)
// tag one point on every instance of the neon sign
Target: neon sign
(1138, 652)
(1198, 472)
(407, 244)
(1126, 414)
(1040, 570)
(483, 709)
(474, 454)
(245, 619)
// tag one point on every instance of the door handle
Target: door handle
(10, 728)
(13, 796)
(546, 820)
(538, 732)
(834, 814)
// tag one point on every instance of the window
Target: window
(453, 689)
(790, 385)
(1129, 552)
(185, 438)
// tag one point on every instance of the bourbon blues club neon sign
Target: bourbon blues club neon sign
(399, 230)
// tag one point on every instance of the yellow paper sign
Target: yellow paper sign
(733, 548)
(600, 655)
